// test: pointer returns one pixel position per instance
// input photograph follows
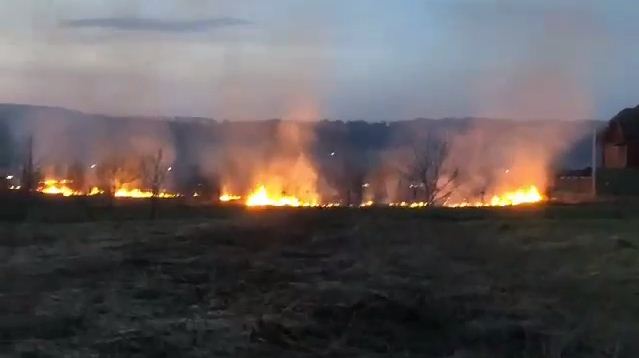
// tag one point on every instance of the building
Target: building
(620, 140)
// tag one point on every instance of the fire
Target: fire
(262, 197)
(229, 197)
(137, 193)
(132, 193)
(63, 187)
(58, 187)
(95, 191)
(366, 204)
(527, 195)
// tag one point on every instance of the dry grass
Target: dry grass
(557, 282)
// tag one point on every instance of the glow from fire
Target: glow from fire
(95, 191)
(58, 187)
(63, 187)
(366, 204)
(132, 193)
(262, 197)
(527, 195)
(229, 197)
(136, 193)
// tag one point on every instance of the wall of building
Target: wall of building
(632, 155)
(615, 156)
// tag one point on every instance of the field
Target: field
(550, 281)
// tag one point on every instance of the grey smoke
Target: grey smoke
(155, 25)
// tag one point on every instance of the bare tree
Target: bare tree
(76, 174)
(155, 173)
(29, 176)
(431, 182)
(6, 144)
(113, 173)
(346, 172)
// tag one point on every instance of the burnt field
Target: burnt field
(549, 281)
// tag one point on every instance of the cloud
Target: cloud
(154, 25)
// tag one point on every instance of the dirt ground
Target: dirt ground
(537, 282)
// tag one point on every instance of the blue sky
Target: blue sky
(347, 59)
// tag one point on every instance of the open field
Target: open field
(517, 282)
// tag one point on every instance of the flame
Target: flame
(136, 193)
(522, 196)
(63, 187)
(527, 195)
(262, 197)
(95, 191)
(58, 187)
(229, 197)
(366, 204)
(265, 197)
(132, 193)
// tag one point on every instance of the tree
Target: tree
(155, 173)
(76, 174)
(431, 182)
(206, 187)
(29, 175)
(345, 170)
(6, 145)
(113, 173)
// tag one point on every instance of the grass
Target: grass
(554, 281)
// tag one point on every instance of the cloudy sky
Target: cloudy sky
(347, 59)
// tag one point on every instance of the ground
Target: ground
(532, 282)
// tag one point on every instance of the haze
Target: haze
(356, 59)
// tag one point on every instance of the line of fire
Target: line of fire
(411, 164)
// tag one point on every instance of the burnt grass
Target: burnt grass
(528, 282)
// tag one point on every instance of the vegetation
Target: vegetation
(549, 281)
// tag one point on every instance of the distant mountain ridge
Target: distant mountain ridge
(25, 109)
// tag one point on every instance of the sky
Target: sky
(308, 59)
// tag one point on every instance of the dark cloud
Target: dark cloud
(156, 25)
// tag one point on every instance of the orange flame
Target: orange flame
(95, 191)
(63, 187)
(136, 193)
(262, 197)
(229, 197)
(528, 195)
(58, 187)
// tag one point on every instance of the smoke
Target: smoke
(313, 161)
(492, 159)
(472, 160)
(277, 156)
(64, 141)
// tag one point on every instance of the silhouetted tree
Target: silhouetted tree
(6, 145)
(113, 173)
(430, 181)
(155, 173)
(76, 174)
(206, 186)
(29, 177)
